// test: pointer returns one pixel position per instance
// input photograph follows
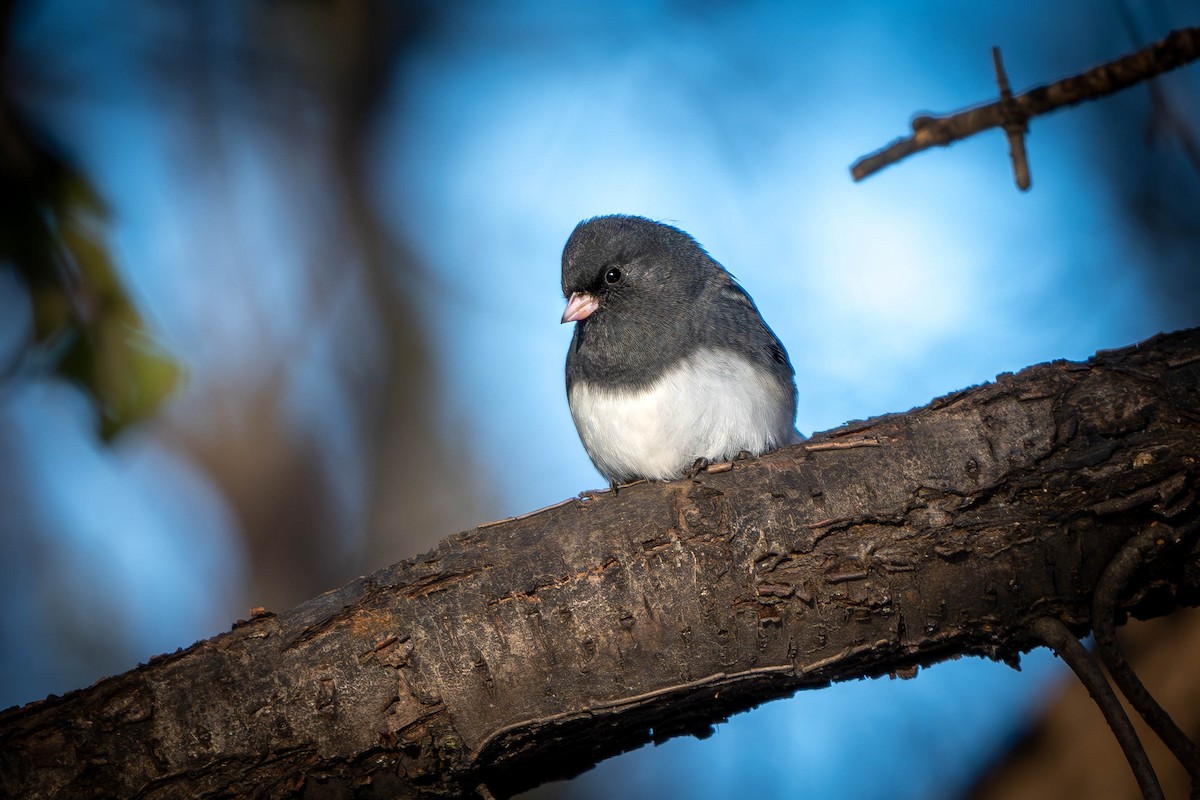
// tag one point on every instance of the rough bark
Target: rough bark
(530, 649)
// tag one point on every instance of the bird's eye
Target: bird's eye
(613, 275)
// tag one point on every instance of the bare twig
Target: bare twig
(844, 444)
(1016, 125)
(1140, 549)
(1058, 637)
(1178, 48)
(529, 514)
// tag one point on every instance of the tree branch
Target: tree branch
(528, 650)
(1180, 47)
(1058, 637)
(1105, 600)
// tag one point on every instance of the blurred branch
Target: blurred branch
(1011, 113)
(530, 649)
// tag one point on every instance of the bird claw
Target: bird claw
(698, 466)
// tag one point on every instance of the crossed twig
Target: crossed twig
(1012, 113)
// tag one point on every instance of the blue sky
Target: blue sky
(502, 129)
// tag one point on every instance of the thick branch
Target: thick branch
(1180, 47)
(530, 649)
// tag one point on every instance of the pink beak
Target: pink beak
(580, 305)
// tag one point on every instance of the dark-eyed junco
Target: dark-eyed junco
(671, 361)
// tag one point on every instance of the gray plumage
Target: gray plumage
(670, 360)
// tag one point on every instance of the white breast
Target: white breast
(713, 404)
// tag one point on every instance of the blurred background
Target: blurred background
(279, 302)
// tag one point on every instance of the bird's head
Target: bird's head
(622, 266)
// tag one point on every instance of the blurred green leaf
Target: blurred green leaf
(52, 232)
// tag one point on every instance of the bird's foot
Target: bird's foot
(698, 466)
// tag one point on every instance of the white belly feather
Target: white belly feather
(713, 404)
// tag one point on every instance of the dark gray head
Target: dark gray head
(621, 266)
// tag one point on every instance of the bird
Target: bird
(671, 366)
